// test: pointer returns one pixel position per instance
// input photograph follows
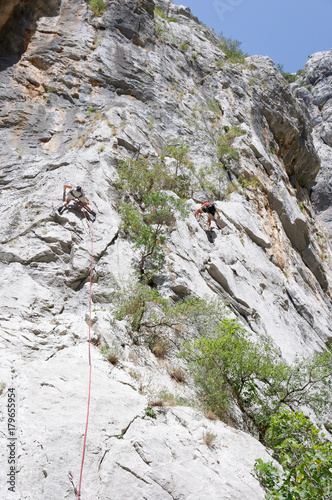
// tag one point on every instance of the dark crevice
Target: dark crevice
(77, 285)
(18, 23)
(133, 473)
(301, 310)
(102, 458)
(123, 432)
(165, 489)
(102, 253)
(56, 352)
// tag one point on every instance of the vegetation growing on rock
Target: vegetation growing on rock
(227, 365)
(304, 454)
(232, 49)
(98, 7)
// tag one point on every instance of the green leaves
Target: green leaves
(148, 228)
(139, 177)
(228, 366)
(226, 152)
(142, 176)
(306, 458)
(232, 49)
(149, 412)
(158, 319)
(153, 213)
(98, 7)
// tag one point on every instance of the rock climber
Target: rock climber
(207, 208)
(75, 194)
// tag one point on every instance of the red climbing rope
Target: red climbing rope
(90, 366)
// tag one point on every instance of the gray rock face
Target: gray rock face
(19, 19)
(82, 93)
(315, 90)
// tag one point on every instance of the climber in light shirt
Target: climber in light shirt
(75, 194)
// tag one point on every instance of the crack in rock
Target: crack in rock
(133, 473)
(139, 450)
(59, 349)
(124, 431)
(102, 459)
(102, 253)
(165, 489)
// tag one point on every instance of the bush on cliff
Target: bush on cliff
(305, 456)
(148, 227)
(98, 7)
(228, 366)
(143, 175)
(232, 49)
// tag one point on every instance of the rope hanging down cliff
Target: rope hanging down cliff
(78, 492)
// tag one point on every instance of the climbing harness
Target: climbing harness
(78, 492)
(76, 198)
(84, 208)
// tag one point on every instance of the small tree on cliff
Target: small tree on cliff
(98, 7)
(228, 366)
(149, 227)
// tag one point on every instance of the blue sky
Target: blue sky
(288, 31)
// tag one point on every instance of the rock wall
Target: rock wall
(78, 95)
(313, 87)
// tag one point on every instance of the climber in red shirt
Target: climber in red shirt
(207, 208)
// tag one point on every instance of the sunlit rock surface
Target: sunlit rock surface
(78, 93)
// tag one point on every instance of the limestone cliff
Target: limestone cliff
(78, 93)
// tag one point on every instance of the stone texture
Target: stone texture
(314, 87)
(81, 93)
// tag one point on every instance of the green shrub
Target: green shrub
(140, 305)
(209, 438)
(160, 31)
(149, 314)
(226, 152)
(148, 227)
(166, 398)
(214, 106)
(290, 77)
(143, 176)
(112, 354)
(182, 181)
(184, 46)
(159, 12)
(149, 412)
(98, 7)
(306, 458)
(232, 49)
(228, 366)
(140, 176)
(252, 184)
